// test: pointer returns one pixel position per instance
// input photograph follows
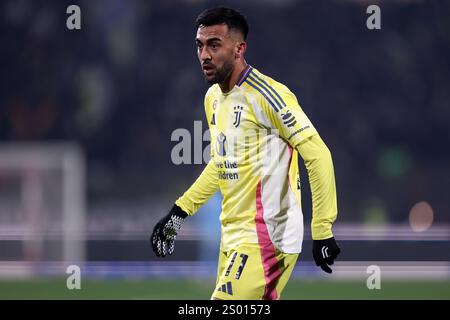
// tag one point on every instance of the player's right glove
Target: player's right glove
(166, 230)
(325, 252)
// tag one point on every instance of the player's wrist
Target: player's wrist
(178, 212)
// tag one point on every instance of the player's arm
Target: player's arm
(207, 183)
(295, 127)
(166, 230)
(319, 164)
(199, 193)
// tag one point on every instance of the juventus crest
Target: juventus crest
(237, 115)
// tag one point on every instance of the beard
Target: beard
(221, 74)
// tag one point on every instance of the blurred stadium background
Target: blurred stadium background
(86, 118)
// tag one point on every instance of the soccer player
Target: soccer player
(258, 130)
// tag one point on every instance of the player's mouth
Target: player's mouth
(208, 69)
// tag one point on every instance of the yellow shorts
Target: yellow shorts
(249, 272)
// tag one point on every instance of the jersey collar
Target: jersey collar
(244, 74)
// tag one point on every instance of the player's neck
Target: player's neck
(227, 85)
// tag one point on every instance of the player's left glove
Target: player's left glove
(166, 230)
(325, 252)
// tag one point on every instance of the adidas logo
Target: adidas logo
(226, 288)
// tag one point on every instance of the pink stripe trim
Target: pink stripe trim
(244, 76)
(270, 263)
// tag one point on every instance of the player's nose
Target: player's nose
(204, 56)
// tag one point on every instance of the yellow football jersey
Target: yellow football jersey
(257, 132)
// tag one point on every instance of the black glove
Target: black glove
(166, 230)
(325, 252)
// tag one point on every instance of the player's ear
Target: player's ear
(240, 49)
(237, 51)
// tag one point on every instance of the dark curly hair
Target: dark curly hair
(232, 18)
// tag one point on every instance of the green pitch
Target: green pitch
(184, 289)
